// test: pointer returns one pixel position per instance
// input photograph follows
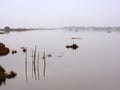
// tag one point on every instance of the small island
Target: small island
(7, 29)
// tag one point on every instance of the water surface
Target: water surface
(94, 65)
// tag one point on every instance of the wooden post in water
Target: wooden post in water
(35, 63)
(44, 58)
(26, 66)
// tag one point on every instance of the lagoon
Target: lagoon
(94, 65)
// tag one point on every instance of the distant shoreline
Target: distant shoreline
(90, 28)
(15, 29)
(69, 28)
(7, 29)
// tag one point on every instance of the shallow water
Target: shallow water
(94, 65)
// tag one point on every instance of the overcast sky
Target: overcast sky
(57, 13)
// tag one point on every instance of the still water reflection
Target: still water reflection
(62, 60)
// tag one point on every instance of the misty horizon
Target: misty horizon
(61, 27)
(54, 13)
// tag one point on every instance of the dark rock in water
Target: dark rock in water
(4, 75)
(14, 51)
(3, 50)
(24, 49)
(73, 46)
(2, 69)
(11, 74)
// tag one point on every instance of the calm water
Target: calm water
(94, 65)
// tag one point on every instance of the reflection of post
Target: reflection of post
(26, 66)
(44, 64)
(32, 62)
(38, 66)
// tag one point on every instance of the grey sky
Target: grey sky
(57, 13)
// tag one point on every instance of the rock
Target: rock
(3, 50)
(4, 75)
(73, 46)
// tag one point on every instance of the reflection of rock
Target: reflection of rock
(108, 31)
(3, 50)
(73, 46)
(75, 38)
(4, 75)
(49, 55)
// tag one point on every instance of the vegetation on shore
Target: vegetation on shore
(7, 29)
